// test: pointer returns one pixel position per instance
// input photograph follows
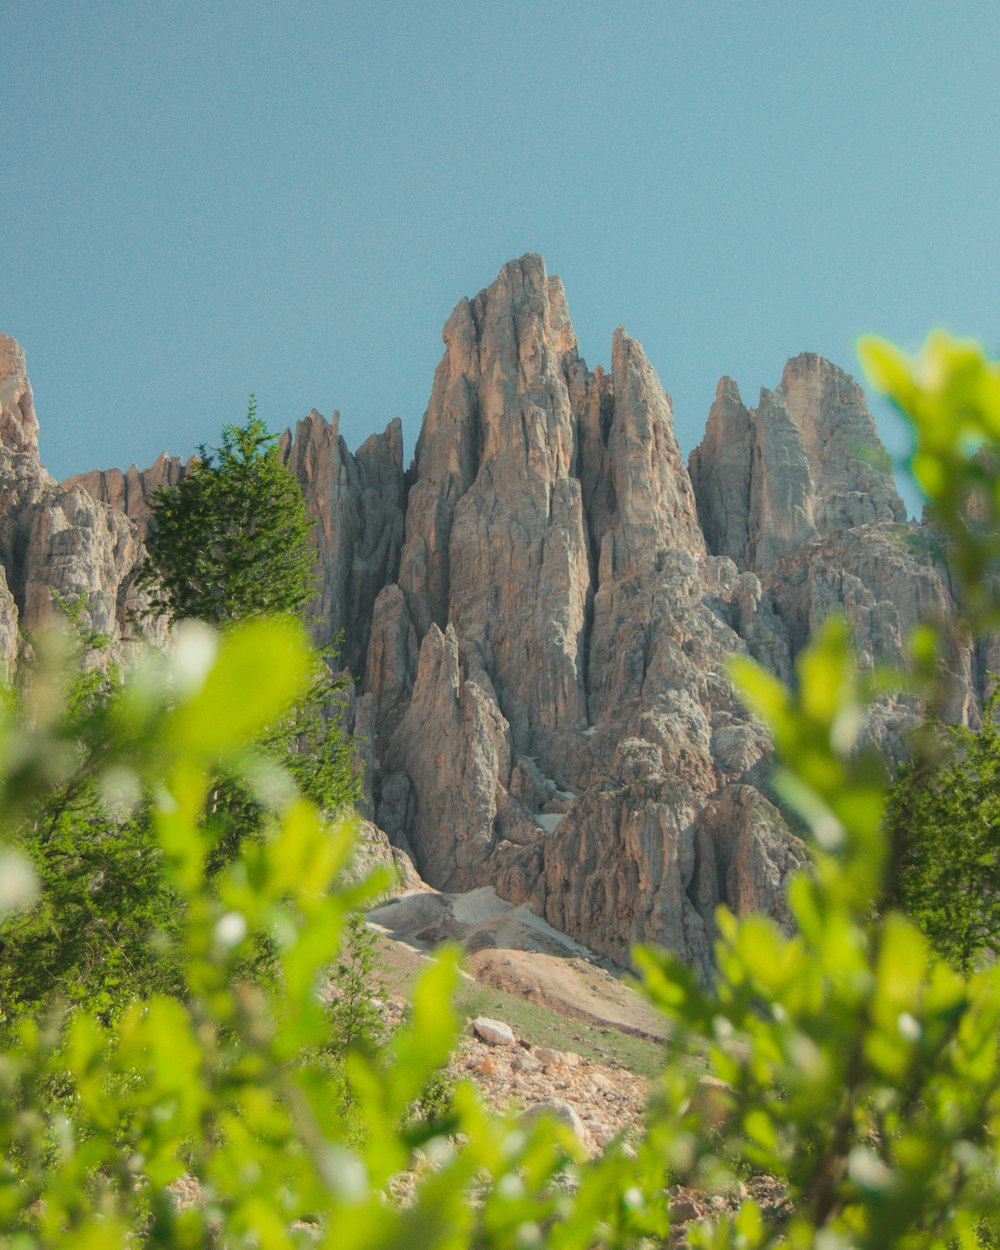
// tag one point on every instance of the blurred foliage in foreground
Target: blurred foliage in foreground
(853, 1063)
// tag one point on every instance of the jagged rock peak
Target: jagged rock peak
(500, 417)
(850, 468)
(720, 472)
(55, 541)
(356, 505)
(18, 423)
(806, 461)
(655, 502)
(131, 490)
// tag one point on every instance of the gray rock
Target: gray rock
(55, 542)
(356, 505)
(130, 491)
(556, 1109)
(496, 1032)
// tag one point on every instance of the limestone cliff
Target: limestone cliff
(55, 541)
(549, 673)
(356, 505)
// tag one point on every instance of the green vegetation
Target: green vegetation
(856, 1065)
(943, 821)
(99, 932)
(103, 931)
(231, 539)
(227, 1083)
(601, 1043)
(357, 1006)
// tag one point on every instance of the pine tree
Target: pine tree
(943, 822)
(231, 539)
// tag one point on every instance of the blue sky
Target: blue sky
(203, 199)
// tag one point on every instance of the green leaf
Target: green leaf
(262, 668)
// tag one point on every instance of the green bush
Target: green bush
(99, 932)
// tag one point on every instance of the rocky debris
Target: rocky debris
(598, 1103)
(479, 919)
(583, 988)
(551, 1059)
(689, 1207)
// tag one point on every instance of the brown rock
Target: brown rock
(18, 423)
(655, 506)
(542, 609)
(54, 542)
(541, 489)
(130, 491)
(8, 630)
(452, 729)
(850, 469)
(356, 505)
(806, 461)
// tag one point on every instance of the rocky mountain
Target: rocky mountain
(538, 613)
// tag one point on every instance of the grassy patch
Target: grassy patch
(537, 1024)
(543, 1027)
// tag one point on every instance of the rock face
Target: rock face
(548, 674)
(132, 490)
(539, 612)
(56, 542)
(552, 716)
(806, 461)
(356, 504)
(799, 492)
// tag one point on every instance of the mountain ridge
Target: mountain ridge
(538, 611)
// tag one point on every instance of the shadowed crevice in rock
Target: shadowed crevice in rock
(355, 503)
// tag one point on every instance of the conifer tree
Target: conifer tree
(943, 819)
(231, 539)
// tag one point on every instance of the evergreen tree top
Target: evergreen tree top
(231, 539)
